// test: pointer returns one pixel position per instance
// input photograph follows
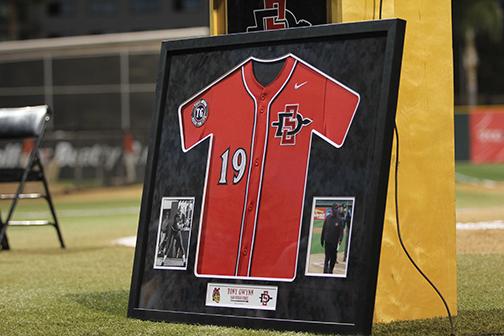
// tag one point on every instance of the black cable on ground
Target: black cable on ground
(396, 189)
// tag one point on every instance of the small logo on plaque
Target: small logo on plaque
(265, 298)
(216, 295)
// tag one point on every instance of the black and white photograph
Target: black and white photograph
(174, 233)
(330, 233)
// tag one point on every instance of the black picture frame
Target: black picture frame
(388, 37)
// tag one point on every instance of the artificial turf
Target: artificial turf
(479, 197)
(83, 290)
(316, 248)
(493, 172)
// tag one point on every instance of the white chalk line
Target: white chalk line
(76, 213)
(79, 213)
(492, 225)
(131, 240)
(476, 181)
(126, 241)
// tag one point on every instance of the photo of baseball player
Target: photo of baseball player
(174, 231)
(330, 233)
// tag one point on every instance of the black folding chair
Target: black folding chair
(18, 124)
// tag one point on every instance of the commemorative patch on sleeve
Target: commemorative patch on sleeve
(199, 113)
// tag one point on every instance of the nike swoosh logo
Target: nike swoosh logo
(298, 85)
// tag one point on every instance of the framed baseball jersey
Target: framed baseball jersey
(266, 179)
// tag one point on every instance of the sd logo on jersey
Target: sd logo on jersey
(289, 124)
(199, 113)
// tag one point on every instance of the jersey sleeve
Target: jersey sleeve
(195, 119)
(340, 104)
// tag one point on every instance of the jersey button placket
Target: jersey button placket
(259, 142)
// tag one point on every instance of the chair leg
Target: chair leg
(58, 232)
(5, 243)
(3, 225)
(53, 213)
(51, 206)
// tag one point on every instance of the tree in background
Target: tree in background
(472, 18)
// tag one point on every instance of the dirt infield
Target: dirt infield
(122, 192)
(471, 242)
(480, 214)
(317, 264)
(480, 202)
(468, 242)
(480, 242)
(64, 193)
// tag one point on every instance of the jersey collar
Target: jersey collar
(270, 90)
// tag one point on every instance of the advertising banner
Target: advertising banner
(320, 213)
(487, 135)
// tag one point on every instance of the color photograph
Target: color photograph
(330, 232)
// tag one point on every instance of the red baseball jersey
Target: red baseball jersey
(260, 139)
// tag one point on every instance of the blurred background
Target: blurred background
(95, 63)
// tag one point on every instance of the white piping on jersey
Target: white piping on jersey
(210, 136)
(325, 76)
(309, 150)
(185, 150)
(249, 172)
(340, 84)
(203, 203)
(209, 157)
(265, 146)
(251, 161)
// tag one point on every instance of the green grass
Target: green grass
(482, 195)
(482, 171)
(315, 247)
(481, 293)
(315, 241)
(479, 198)
(480, 301)
(83, 290)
